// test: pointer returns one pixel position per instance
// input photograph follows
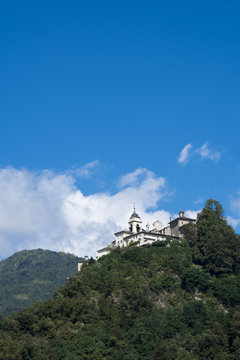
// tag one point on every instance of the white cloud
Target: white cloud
(85, 170)
(192, 214)
(235, 208)
(199, 200)
(47, 210)
(206, 153)
(233, 221)
(133, 178)
(235, 203)
(185, 154)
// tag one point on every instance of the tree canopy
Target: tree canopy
(214, 243)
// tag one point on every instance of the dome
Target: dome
(158, 225)
(134, 214)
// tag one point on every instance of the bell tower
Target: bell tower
(135, 222)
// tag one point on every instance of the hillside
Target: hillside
(172, 300)
(32, 275)
(136, 303)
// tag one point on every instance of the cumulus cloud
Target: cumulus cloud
(185, 154)
(47, 210)
(133, 178)
(202, 153)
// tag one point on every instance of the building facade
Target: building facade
(139, 236)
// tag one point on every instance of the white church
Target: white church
(139, 236)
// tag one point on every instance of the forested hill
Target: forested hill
(176, 300)
(33, 275)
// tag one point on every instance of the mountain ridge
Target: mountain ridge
(33, 275)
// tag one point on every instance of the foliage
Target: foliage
(213, 242)
(134, 243)
(139, 303)
(191, 235)
(33, 275)
(194, 278)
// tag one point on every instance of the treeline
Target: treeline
(177, 302)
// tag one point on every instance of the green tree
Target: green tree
(217, 242)
(191, 235)
(161, 351)
(194, 278)
(213, 344)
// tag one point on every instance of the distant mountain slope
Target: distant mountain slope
(33, 275)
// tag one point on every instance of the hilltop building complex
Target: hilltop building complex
(136, 234)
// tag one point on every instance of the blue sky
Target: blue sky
(119, 86)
